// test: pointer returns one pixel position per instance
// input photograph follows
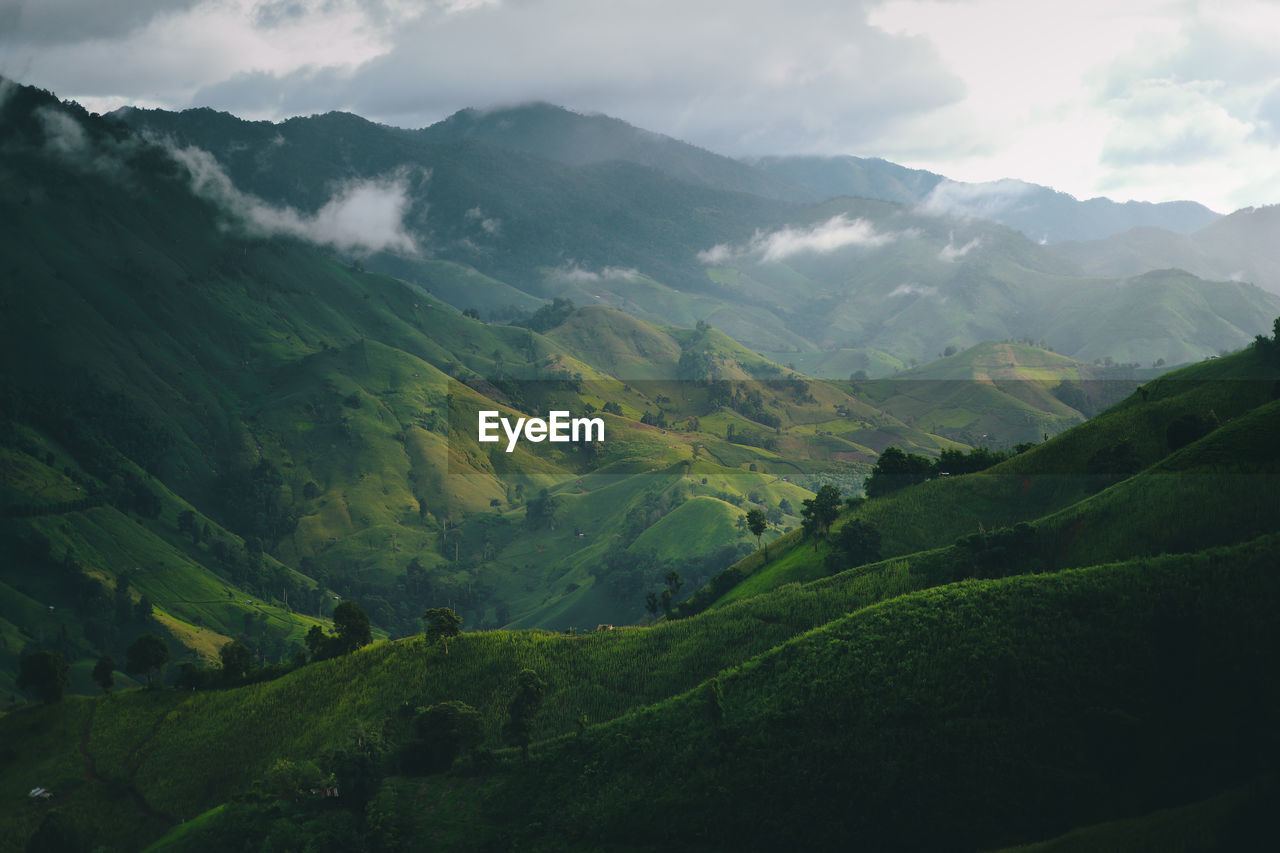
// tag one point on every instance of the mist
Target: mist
(365, 215)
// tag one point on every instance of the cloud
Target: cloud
(988, 200)
(716, 255)
(66, 139)
(488, 225)
(770, 77)
(579, 275)
(46, 22)
(951, 252)
(838, 232)
(362, 215)
(913, 290)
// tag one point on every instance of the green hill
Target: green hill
(1109, 660)
(1000, 394)
(242, 429)
(1079, 479)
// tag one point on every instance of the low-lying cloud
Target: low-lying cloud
(67, 139)
(982, 201)
(364, 215)
(838, 232)
(913, 290)
(580, 275)
(488, 224)
(952, 252)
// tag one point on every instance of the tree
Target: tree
(757, 524)
(818, 512)
(315, 641)
(46, 674)
(442, 623)
(444, 731)
(524, 709)
(104, 672)
(148, 654)
(352, 625)
(236, 658)
(541, 511)
(855, 544)
(896, 469)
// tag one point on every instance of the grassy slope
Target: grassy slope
(1184, 499)
(997, 707)
(1031, 626)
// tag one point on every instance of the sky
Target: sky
(1154, 100)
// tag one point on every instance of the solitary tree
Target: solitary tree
(148, 654)
(524, 709)
(757, 524)
(46, 674)
(352, 625)
(818, 512)
(104, 673)
(442, 623)
(855, 544)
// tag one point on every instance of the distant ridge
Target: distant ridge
(1042, 213)
(577, 139)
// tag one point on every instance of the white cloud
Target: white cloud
(838, 232)
(951, 252)
(362, 215)
(983, 201)
(66, 138)
(913, 290)
(580, 275)
(718, 254)
(1062, 94)
(764, 76)
(489, 225)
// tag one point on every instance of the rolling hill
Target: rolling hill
(213, 433)
(1104, 664)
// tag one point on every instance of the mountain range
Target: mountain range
(904, 529)
(538, 201)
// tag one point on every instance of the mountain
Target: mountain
(218, 432)
(885, 282)
(1239, 247)
(1042, 213)
(576, 139)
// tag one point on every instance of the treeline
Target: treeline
(896, 469)
(1269, 348)
(630, 575)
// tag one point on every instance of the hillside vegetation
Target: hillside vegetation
(1091, 668)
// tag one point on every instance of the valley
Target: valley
(535, 481)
